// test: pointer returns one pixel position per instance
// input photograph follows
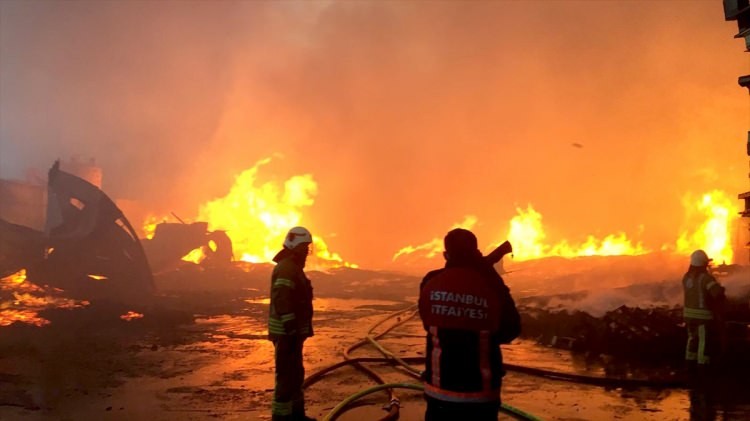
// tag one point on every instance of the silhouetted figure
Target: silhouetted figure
(289, 324)
(704, 297)
(467, 312)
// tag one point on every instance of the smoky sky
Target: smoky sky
(409, 115)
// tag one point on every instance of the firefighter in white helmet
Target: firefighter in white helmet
(290, 323)
(704, 297)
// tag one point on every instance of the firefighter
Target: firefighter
(467, 312)
(290, 323)
(704, 297)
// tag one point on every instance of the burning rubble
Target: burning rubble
(172, 243)
(89, 235)
(612, 300)
(88, 250)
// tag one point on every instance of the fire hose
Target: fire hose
(405, 362)
(389, 358)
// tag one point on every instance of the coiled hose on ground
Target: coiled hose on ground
(405, 363)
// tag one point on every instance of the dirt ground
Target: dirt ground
(203, 355)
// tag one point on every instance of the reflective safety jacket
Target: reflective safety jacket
(702, 293)
(290, 311)
(467, 312)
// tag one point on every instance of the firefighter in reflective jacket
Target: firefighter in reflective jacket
(290, 323)
(467, 312)
(703, 299)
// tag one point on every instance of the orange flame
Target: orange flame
(527, 235)
(24, 306)
(149, 226)
(257, 217)
(714, 216)
(434, 247)
(131, 315)
(196, 256)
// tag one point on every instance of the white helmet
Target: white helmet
(699, 258)
(297, 236)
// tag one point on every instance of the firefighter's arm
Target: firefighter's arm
(510, 320)
(716, 297)
(282, 292)
(714, 289)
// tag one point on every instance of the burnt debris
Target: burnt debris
(88, 247)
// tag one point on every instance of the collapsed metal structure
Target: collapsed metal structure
(88, 247)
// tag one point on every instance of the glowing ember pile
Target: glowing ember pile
(22, 300)
(131, 315)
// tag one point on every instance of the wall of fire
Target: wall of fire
(739, 10)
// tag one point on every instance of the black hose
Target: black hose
(391, 359)
(393, 410)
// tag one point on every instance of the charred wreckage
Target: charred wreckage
(90, 250)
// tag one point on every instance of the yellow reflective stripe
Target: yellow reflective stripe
(287, 317)
(697, 313)
(275, 327)
(282, 282)
(710, 285)
(281, 408)
(702, 357)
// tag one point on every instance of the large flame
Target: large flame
(257, 217)
(711, 219)
(527, 235)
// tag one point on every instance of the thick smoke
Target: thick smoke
(408, 115)
(597, 285)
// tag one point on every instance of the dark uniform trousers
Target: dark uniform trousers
(288, 397)
(702, 341)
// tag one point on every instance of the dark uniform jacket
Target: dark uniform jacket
(703, 295)
(467, 311)
(291, 309)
